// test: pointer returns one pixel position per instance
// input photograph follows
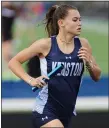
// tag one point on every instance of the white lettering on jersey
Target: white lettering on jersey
(70, 68)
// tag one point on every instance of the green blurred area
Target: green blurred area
(95, 32)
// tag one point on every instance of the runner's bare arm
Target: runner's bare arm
(38, 48)
(85, 53)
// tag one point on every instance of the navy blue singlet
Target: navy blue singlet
(59, 95)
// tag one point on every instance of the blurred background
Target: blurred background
(22, 24)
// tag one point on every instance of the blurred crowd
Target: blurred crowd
(27, 13)
(30, 13)
(92, 8)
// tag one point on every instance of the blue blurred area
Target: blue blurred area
(19, 89)
(91, 88)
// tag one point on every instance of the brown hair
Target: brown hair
(53, 15)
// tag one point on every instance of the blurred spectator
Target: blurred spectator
(9, 12)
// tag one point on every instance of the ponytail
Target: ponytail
(51, 22)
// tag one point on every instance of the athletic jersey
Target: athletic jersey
(60, 94)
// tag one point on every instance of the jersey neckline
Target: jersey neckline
(61, 50)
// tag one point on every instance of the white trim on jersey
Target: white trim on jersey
(43, 66)
(42, 97)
